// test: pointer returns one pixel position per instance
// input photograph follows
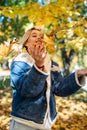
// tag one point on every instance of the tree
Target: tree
(64, 21)
(11, 26)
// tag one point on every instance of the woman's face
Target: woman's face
(36, 37)
(35, 46)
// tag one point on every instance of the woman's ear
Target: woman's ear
(26, 48)
(26, 44)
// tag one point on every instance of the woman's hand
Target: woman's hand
(38, 52)
(82, 72)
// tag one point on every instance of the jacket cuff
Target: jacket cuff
(43, 72)
(80, 81)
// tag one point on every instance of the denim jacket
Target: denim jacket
(34, 91)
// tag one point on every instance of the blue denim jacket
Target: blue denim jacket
(30, 87)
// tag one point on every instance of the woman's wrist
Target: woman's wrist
(41, 67)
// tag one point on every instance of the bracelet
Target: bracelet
(41, 67)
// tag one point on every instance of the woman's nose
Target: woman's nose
(39, 39)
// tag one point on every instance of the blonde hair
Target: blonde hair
(27, 34)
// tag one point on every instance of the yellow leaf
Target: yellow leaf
(49, 44)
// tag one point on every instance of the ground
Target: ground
(72, 111)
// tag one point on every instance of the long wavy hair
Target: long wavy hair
(27, 35)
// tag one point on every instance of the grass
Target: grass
(4, 82)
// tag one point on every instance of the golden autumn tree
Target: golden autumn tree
(65, 23)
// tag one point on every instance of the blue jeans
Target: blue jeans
(18, 126)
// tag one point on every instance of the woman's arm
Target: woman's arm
(27, 80)
(70, 84)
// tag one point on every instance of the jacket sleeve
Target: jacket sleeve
(27, 80)
(65, 86)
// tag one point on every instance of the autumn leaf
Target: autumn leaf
(50, 45)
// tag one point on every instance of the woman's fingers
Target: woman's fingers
(82, 72)
(38, 52)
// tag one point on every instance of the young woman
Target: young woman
(36, 80)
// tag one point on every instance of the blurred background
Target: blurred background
(65, 24)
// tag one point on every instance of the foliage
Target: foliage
(15, 2)
(65, 22)
(4, 83)
(11, 26)
(9, 50)
(72, 112)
